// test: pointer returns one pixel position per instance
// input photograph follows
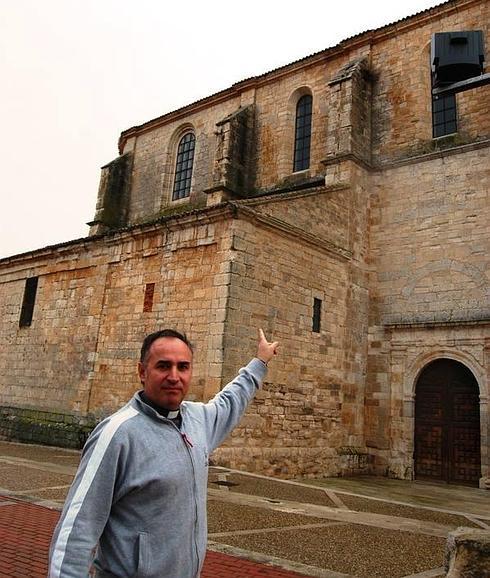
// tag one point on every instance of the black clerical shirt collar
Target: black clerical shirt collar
(163, 411)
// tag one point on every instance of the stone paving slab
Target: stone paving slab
(451, 498)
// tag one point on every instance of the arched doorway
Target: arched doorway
(447, 424)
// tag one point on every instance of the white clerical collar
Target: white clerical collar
(168, 413)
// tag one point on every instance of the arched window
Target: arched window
(302, 135)
(183, 166)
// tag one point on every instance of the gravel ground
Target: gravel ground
(225, 517)
(365, 505)
(19, 478)
(40, 453)
(362, 551)
(276, 490)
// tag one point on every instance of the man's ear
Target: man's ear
(141, 372)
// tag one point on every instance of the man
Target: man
(139, 496)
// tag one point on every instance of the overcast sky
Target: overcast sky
(75, 73)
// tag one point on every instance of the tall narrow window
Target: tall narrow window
(302, 135)
(444, 115)
(28, 301)
(183, 166)
(317, 315)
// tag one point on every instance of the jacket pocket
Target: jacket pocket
(143, 555)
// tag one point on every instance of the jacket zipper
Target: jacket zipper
(187, 440)
(188, 444)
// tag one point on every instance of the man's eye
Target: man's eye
(183, 366)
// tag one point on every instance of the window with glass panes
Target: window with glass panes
(302, 136)
(183, 166)
(444, 115)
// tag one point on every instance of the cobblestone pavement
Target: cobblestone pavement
(258, 526)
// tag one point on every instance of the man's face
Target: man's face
(166, 372)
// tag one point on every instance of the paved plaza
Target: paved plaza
(258, 526)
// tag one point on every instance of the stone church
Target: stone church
(341, 203)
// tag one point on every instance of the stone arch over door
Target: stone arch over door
(447, 443)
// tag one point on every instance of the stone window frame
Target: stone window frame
(299, 114)
(183, 174)
(171, 164)
(286, 150)
(294, 99)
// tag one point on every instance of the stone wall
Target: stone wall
(429, 240)
(312, 403)
(79, 354)
(388, 228)
(434, 217)
(48, 364)
(390, 66)
(299, 417)
(402, 117)
(43, 427)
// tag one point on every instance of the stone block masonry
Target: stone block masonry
(367, 266)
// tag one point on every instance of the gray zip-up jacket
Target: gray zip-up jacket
(140, 491)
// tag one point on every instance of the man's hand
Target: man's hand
(266, 350)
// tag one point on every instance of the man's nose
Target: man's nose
(173, 374)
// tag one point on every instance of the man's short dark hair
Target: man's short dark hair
(149, 339)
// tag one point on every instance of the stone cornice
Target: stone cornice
(430, 156)
(63, 256)
(404, 325)
(335, 159)
(408, 160)
(171, 222)
(277, 196)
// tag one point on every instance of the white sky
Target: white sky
(75, 73)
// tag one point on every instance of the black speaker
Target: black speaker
(456, 56)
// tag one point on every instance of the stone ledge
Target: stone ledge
(468, 554)
(44, 427)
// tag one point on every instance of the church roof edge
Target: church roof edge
(347, 43)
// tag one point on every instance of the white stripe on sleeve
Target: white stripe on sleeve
(93, 465)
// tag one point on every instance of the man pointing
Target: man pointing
(139, 495)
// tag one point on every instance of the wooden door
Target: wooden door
(447, 424)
